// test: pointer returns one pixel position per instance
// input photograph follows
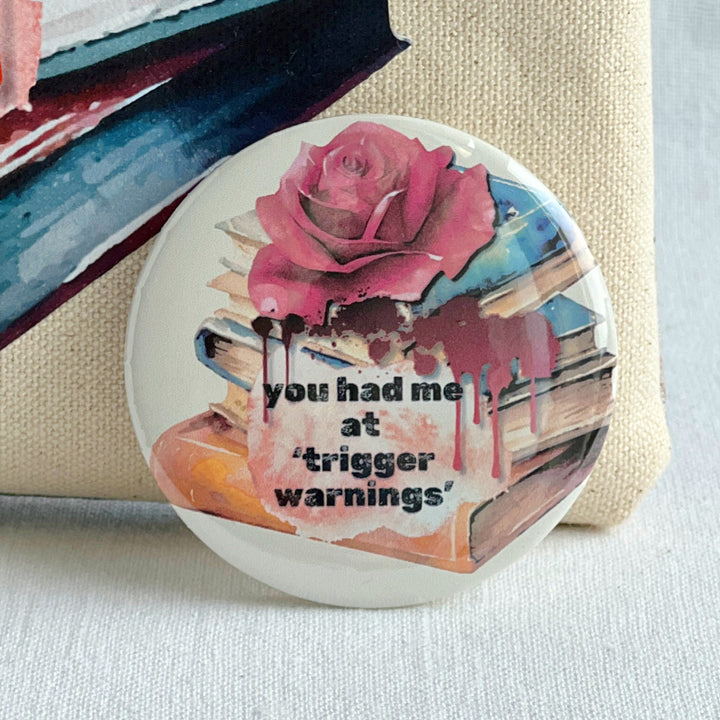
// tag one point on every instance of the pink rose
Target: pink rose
(371, 214)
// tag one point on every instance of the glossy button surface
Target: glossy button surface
(370, 360)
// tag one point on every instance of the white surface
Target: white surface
(114, 610)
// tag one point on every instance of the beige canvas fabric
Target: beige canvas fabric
(563, 87)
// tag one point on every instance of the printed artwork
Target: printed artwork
(415, 362)
(110, 112)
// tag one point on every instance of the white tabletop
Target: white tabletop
(114, 610)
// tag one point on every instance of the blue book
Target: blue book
(536, 251)
(533, 238)
(67, 219)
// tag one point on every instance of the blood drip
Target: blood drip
(291, 325)
(457, 457)
(471, 342)
(263, 327)
(376, 320)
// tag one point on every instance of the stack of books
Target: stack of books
(531, 265)
(128, 105)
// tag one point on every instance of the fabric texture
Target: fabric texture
(115, 610)
(562, 87)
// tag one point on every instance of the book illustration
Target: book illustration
(89, 32)
(127, 106)
(56, 121)
(409, 370)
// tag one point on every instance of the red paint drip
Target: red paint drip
(496, 437)
(376, 317)
(376, 320)
(291, 325)
(265, 379)
(263, 327)
(476, 398)
(287, 365)
(470, 342)
(533, 406)
(457, 457)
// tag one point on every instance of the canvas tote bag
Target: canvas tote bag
(564, 88)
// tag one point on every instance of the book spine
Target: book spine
(212, 348)
(68, 45)
(112, 181)
(57, 120)
(496, 523)
(234, 351)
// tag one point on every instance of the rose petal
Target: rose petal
(303, 173)
(405, 216)
(282, 227)
(298, 246)
(379, 213)
(351, 164)
(461, 220)
(387, 153)
(279, 287)
(425, 171)
(340, 222)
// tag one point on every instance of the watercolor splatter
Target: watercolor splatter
(455, 334)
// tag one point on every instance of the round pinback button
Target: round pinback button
(370, 360)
